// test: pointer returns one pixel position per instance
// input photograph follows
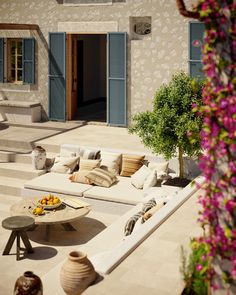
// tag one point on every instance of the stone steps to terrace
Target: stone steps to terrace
(50, 148)
(11, 186)
(19, 170)
(15, 169)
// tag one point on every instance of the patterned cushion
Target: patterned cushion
(91, 154)
(147, 206)
(130, 164)
(101, 177)
(111, 162)
(64, 164)
(152, 211)
(80, 176)
(129, 226)
(87, 164)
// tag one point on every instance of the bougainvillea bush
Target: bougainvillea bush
(218, 138)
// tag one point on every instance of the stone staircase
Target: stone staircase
(16, 169)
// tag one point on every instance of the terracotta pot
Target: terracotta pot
(28, 284)
(38, 158)
(77, 273)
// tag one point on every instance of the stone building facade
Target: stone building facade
(157, 45)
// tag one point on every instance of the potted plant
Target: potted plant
(172, 127)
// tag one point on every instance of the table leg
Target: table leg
(47, 232)
(17, 245)
(68, 227)
(9, 243)
(26, 242)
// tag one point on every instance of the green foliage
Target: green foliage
(194, 269)
(172, 120)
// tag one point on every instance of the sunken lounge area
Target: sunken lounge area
(123, 184)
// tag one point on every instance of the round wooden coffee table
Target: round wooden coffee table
(62, 215)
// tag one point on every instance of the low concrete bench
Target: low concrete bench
(20, 111)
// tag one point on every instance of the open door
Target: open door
(56, 78)
(71, 74)
(116, 79)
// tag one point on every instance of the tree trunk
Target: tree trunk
(181, 162)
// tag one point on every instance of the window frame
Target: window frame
(190, 60)
(10, 78)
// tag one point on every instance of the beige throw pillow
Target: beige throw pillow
(139, 177)
(151, 180)
(111, 162)
(101, 177)
(80, 176)
(159, 167)
(64, 164)
(87, 164)
(130, 164)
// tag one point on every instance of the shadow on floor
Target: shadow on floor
(41, 253)
(3, 126)
(85, 229)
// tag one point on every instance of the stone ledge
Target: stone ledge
(19, 104)
(20, 111)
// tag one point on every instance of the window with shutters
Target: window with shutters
(17, 60)
(14, 61)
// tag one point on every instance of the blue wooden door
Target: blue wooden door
(196, 32)
(57, 76)
(116, 79)
(1, 60)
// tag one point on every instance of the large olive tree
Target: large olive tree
(167, 129)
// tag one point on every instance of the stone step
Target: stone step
(14, 144)
(50, 148)
(19, 170)
(15, 148)
(26, 158)
(11, 186)
(6, 156)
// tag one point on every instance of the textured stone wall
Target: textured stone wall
(151, 60)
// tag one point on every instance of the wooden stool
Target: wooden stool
(18, 225)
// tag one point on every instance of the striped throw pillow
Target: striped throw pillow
(129, 226)
(87, 164)
(130, 164)
(147, 206)
(101, 177)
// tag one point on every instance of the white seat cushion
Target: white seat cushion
(122, 192)
(57, 183)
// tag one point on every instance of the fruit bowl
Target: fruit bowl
(49, 202)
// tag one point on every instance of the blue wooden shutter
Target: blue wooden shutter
(117, 101)
(28, 59)
(1, 60)
(196, 32)
(57, 76)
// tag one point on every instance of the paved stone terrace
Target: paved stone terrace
(153, 268)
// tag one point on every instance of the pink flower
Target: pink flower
(199, 267)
